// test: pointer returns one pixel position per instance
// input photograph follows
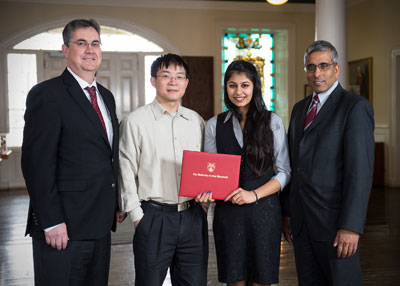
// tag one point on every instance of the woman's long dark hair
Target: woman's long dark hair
(258, 139)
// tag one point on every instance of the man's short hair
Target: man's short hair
(319, 46)
(76, 24)
(167, 60)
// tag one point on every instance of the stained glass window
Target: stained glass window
(257, 47)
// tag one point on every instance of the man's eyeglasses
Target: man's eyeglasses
(178, 78)
(321, 66)
(84, 45)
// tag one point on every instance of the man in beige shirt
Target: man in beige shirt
(170, 231)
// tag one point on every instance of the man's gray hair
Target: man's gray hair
(319, 46)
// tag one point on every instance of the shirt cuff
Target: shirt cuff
(136, 214)
(281, 178)
(51, 227)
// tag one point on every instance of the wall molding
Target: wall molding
(10, 169)
(7, 45)
(11, 173)
(191, 4)
(394, 135)
(183, 4)
(382, 134)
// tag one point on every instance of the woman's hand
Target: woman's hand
(205, 197)
(241, 197)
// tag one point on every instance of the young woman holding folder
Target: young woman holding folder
(247, 224)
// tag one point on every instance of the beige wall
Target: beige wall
(192, 32)
(373, 31)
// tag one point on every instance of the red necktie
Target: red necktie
(312, 112)
(93, 98)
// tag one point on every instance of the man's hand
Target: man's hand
(57, 237)
(346, 242)
(121, 216)
(286, 229)
(136, 223)
(241, 197)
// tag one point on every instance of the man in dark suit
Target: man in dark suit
(331, 145)
(70, 166)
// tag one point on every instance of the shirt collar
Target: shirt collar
(228, 116)
(323, 96)
(82, 82)
(159, 111)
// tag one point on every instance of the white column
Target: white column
(330, 25)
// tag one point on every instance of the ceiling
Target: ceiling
(289, 1)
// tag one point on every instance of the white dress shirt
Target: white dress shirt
(323, 97)
(103, 109)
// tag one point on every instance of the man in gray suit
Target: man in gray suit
(331, 144)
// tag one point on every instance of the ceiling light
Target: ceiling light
(277, 2)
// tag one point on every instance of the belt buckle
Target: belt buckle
(183, 206)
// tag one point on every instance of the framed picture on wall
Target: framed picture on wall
(360, 77)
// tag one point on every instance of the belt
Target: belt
(171, 207)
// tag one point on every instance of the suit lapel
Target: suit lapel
(299, 128)
(79, 96)
(296, 128)
(108, 101)
(327, 109)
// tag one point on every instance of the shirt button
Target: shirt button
(113, 185)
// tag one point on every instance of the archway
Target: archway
(11, 176)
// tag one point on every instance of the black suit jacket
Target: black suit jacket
(69, 167)
(332, 166)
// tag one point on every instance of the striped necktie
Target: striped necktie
(312, 112)
(93, 98)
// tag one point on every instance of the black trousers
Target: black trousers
(317, 263)
(82, 263)
(170, 239)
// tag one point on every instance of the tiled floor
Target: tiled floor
(380, 246)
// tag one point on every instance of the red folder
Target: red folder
(202, 171)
